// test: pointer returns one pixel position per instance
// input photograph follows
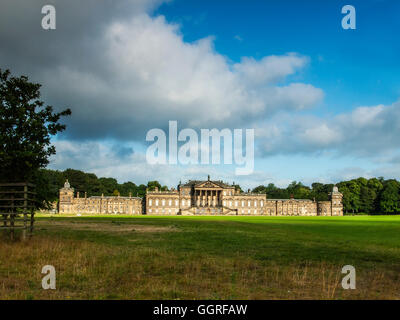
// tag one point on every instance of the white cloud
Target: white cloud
(269, 69)
(143, 74)
(321, 135)
(366, 131)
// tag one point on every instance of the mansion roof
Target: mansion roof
(111, 197)
(197, 183)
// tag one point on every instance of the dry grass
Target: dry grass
(112, 227)
(87, 270)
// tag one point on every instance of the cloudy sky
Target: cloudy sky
(324, 101)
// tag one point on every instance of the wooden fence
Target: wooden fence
(17, 207)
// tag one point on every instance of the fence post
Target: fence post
(12, 216)
(25, 211)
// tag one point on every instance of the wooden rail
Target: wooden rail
(17, 206)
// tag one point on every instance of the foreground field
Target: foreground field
(122, 257)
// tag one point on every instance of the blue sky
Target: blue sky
(354, 67)
(324, 101)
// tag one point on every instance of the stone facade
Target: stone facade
(68, 203)
(200, 198)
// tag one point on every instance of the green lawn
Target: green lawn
(175, 257)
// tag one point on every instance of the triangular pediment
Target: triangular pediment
(207, 184)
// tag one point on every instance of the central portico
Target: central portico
(203, 197)
(207, 193)
(206, 197)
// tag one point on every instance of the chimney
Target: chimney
(85, 195)
(130, 194)
(156, 189)
(292, 196)
(77, 194)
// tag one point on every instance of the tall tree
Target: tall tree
(153, 184)
(376, 186)
(390, 197)
(26, 127)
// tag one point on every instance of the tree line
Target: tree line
(53, 180)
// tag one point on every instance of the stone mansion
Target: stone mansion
(199, 198)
